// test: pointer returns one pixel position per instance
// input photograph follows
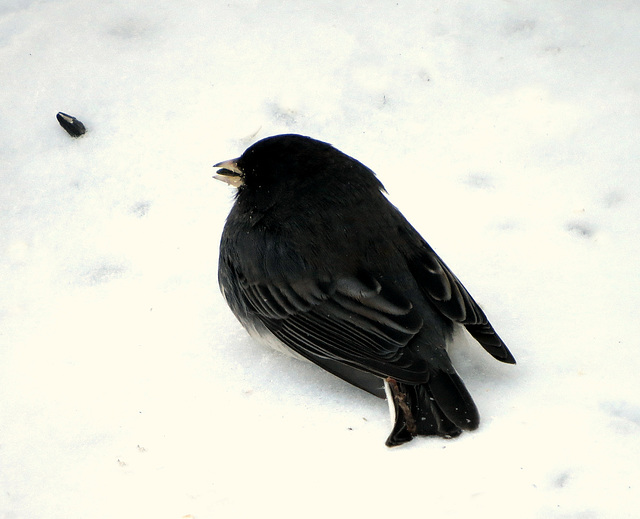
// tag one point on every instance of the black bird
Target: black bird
(313, 257)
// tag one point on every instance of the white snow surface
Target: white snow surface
(506, 132)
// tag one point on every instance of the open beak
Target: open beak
(229, 172)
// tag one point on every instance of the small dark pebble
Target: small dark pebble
(73, 127)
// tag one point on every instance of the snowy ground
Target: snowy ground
(507, 132)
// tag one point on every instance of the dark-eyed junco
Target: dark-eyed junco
(314, 258)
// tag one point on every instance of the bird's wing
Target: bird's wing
(451, 298)
(349, 319)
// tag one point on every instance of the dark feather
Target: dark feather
(453, 300)
(72, 126)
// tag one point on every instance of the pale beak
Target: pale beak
(229, 172)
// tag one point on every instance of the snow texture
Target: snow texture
(507, 133)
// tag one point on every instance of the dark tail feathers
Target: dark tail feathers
(442, 406)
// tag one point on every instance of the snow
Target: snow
(507, 132)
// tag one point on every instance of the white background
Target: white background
(506, 131)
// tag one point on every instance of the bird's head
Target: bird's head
(277, 160)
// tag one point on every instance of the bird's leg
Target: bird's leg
(404, 428)
(400, 399)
